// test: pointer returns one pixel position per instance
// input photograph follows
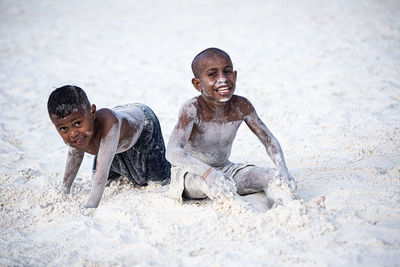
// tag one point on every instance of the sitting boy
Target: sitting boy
(201, 142)
(126, 140)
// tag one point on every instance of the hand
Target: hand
(286, 178)
(221, 187)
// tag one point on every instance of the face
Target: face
(77, 128)
(217, 80)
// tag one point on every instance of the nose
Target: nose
(221, 79)
(73, 134)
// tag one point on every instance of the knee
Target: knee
(194, 186)
(255, 178)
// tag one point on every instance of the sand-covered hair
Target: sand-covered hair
(196, 66)
(67, 99)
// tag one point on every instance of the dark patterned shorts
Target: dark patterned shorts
(145, 161)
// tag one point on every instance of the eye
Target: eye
(78, 123)
(212, 74)
(63, 129)
(228, 71)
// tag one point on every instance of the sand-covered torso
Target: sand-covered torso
(213, 131)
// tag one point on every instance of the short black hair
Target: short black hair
(209, 51)
(67, 99)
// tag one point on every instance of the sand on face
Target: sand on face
(324, 77)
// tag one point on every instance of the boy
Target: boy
(201, 142)
(126, 140)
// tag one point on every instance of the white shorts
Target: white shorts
(177, 184)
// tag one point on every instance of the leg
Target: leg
(112, 176)
(158, 168)
(255, 179)
(195, 187)
(146, 160)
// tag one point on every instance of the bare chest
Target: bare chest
(214, 134)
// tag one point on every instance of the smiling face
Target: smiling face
(77, 128)
(216, 78)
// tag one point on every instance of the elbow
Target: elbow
(276, 145)
(172, 155)
(169, 155)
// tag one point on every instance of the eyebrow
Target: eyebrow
(62, 124)
(77, 117)
(227, 66)
(210, 69)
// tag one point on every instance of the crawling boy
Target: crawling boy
(126, 140)
(201, 142)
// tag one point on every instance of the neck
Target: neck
(214, 104)
(93, 146)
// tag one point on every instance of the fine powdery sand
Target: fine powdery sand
(323, 75)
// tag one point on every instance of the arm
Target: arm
(179, 137)
(74, 160)
(271, 145)
(221, 187)
(107, 149)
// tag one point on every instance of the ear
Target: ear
(93, 111)
(235, 74)
(196, 84)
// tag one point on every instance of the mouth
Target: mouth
(80, 140)
(223, 90)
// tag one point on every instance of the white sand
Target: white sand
(323, 75)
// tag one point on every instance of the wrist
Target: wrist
(207, 172)
(282, 170)
(66, 188)
(67, 183)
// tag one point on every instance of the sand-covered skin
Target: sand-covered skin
(323, 75)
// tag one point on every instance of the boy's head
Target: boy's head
(213, 74)
(72, 115)
(67, 99)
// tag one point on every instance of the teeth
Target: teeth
(223, 89)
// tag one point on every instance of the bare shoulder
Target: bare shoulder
(189, 108)
(242, 105)
(105, 120)
(131, 118)
(106, 116)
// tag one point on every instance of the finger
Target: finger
(226, 189)
(293, 185)
(231, 186)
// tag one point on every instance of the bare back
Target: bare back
(121, 125)
(131, 119)
(117, 130)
